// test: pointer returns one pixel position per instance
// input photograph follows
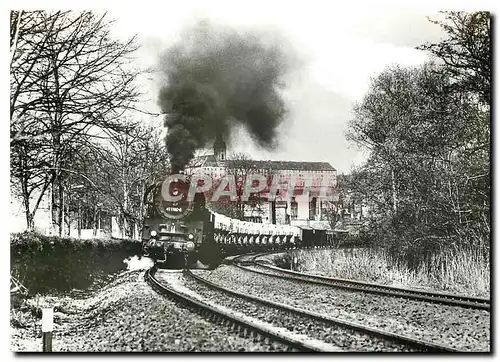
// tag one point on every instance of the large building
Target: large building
(314, 212)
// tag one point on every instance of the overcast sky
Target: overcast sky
(341, 50)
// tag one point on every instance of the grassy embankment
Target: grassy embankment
(49, 264)
(461, 272)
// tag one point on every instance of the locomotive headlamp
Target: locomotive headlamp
(191, 236)
(190, 245)
(154, 233)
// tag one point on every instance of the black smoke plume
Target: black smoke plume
(218, 77)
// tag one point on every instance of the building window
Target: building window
(312, 209)
(294, 208)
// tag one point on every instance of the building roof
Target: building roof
(211, 161)
(294, 165)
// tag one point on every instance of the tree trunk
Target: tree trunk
(26, 197)
(51, 209)
(60, 213)
(125, 198)
(99, 222)
(57, 183)
(79, 220)
(13, 48)
(30, 222)
(95, 221)
(394, 195)
(123, 225)
(29, 216)
(68, 218)
(143, 207)
(53, 204)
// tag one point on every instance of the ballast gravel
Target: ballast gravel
(460, 328)
(345, 339)
(129, 316)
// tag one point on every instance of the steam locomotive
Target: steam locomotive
(178, 234)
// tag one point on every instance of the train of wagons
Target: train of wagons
(186, 233)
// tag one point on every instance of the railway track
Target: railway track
(415, 294)
(243, 326)
(404, 342)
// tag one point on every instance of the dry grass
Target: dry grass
(459, 272)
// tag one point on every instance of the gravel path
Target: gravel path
(129, 316)
(344, 339)
(461, 328)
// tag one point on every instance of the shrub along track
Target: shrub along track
(414, 294)
(347, 335)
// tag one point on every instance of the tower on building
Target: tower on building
(220, 149)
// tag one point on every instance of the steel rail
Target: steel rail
(415, 294)
(420, 345)
(237, 323)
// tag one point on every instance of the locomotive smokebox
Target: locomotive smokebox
(177, 230)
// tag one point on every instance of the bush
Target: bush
(291, 260)
(460, 271)
(49, 264)
(283, 261)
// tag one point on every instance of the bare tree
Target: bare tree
(136, 160)
(70, 82)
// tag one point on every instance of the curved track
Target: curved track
(415, 294)
(404, 341)
(241, 325)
